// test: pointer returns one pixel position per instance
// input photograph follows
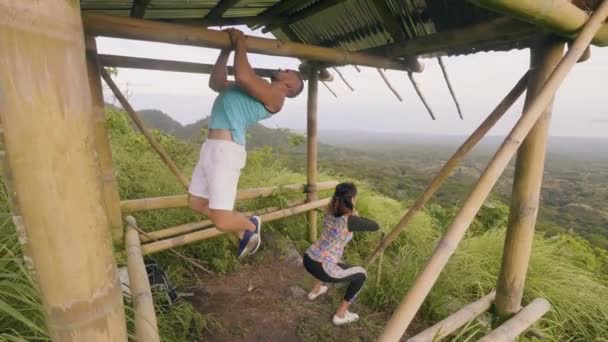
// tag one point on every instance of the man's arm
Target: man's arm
(248, 80)
(218, 81)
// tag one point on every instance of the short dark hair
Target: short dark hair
(342, 200)
(299, 90)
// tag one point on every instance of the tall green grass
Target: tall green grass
(564, 269)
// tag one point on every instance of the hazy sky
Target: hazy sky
(480, 82)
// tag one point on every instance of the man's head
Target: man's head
(290, 79)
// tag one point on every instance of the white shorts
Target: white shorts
(216, 175)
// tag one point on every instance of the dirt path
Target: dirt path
(264, 301)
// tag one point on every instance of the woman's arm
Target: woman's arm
(361, 224)
(218, 81)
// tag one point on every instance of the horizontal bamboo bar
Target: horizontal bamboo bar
(406, 311)
(560, 16)
(146, 328)
(129, 28)
(180, 201)
(140, 124)
(194, 226)
(456, 320)
(179, 66)
(451, 165)
(515, 326)
(213, 232)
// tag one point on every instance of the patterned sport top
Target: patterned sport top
(330, 246)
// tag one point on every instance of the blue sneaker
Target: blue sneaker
(257, 221)
(251, 241)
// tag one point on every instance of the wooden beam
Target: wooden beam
(209, 233)
(221, 7)
(524, 319)
(140, 124)
(180, 201)
(559, 16)
(138, 10)
(451, 165)
(406, 311)
(102, 142)
(303, 14)
(311, 148)
(230, 21)
(455, 321)
(47, 118)
(146, 328)
(525, 198)
(122, 27)
(464, 40)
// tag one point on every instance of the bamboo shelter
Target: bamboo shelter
(70, 217)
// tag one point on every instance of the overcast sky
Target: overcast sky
(480, 82)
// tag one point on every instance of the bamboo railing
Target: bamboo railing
(179, 201)
(524, 319)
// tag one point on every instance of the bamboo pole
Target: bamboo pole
(329, 89)
(343, 79)
(390, 86)
(311, 148)
(47, 116)
(420, 95)
(455, 321)
(179, 201)
(451, 165)
(165, 65)
(129, 28)
(511, 329)
(455, 232)
(194, 226)
(560, 16)
(146, 328)
(444, 71)
(529, 168)
(214, 232)
(157, 147)
(102, 143)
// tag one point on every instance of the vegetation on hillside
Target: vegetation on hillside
(565, 269)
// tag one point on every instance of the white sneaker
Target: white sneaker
(312, 295)
(349, 317)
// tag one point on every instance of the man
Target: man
(239, 105)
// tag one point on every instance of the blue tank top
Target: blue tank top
(235, 110)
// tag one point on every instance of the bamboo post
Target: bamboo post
(214, 232)
(146, 328)
(451, 165)
(529, 168)
(311, 155)
(47, 116)
(129, 28)
(455, 232)
(102, 144)
(140, 124)
(455, 321)
(511, 329)
(179, 201)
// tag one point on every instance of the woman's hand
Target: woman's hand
(236, 36)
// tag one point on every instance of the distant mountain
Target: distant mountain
(257, 136)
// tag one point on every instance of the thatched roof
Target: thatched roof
(404, 26)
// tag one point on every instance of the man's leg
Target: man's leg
(231, 221)
(199, 204)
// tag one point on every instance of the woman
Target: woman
(322, 259)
